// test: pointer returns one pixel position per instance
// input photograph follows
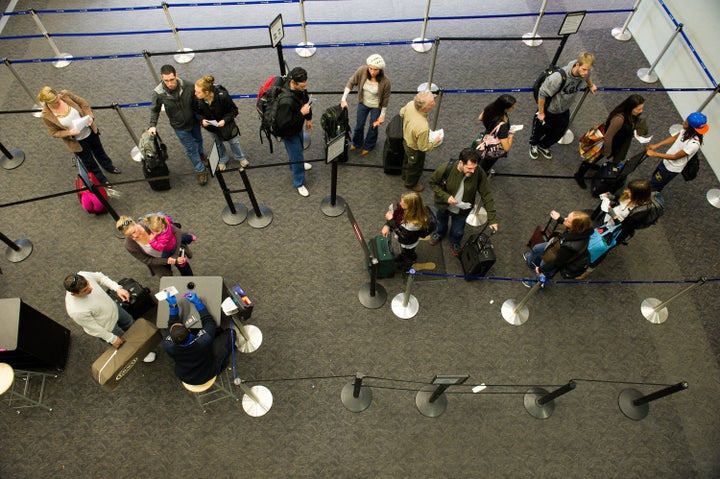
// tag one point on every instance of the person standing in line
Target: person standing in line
(620, 126)
(685, 144)
(137, 243)
(373, 98)
(60, 113)
(87, 303)
(552, 118)
(494, 118)
(216, 111)
(409, 221)
(293, 111)
(178, 96)
(416, 138)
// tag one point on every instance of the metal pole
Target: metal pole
(635, 406)
(569, 136)
(146, 55)
(438, 104)
(430, 86)
(518, 314)
(184, 56)
(623, 34)
(304, 49)
(531, 40)
(63, 59)
(135, 151)
(419, 44)
(655, 311)
(540, 404)
(354, 397)
(8, 64)
(261, 216)
(557, 393)
(647, 74)
(405, 305)
(234, 213)
(709, 98)
(661, 393)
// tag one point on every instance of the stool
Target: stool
(24, 397)
(216, 389)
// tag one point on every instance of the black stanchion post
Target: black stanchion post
(11, 159)
(234, 213)
(335, 148)
(540, 404)
(635, 406)
(559, 50)
(17, 250)
(354, 396)
(372, 295)
(431, 400)
(94, 189)
(260, 216)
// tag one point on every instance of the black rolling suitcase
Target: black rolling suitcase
(611, 177)
(160, 170)
(141, 300)
(393, 151)
(477, 255)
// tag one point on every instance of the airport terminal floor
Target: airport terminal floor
(305, 270)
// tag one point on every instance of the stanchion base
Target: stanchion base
(262, 221)
(625, 401)
(15, 256)
(646, 75)
(183, 58)
(421, 45)
(240, 215)
(621, 35)
(647, 308)
(63, 60)
(305, 50)
(674, 129)
(331, 210)
(355, 404)
(713, 197)
(477, 218)
(372, 302)
(424, 87)
(404, 312)
(253, 343)
(516, 318)
(427, 408)
(567, 138)
(532, 41)
(533, 408)
(262, 405)
(135, 154)
(10, 163)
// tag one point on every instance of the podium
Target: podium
(29, 340)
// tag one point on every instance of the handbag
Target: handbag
(591, 143)
(488, 144)
(602, 240)
(551, 250)
(228, 131)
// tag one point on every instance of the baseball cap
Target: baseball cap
(699, 122)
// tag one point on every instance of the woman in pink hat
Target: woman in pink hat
(685, 144)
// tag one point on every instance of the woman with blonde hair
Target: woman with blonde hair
(63, 114)
(410, 221)
(137, 243)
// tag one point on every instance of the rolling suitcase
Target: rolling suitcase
(141, 300)
(477, 255)
(380, 249)
(610, 178)
(160, 170)
(541, 235)
(393, 151)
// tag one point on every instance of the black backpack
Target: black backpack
(153, 150)
(541, 78)
(691, 169)
(335, 121)
(647, 215)
(267, 104)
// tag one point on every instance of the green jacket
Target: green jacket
(477, 182)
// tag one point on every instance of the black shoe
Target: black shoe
(580, 180)
(114, 170)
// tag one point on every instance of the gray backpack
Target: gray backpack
(152, 150)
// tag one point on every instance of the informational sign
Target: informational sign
(335, 148)
(277, 32)
(571, 23)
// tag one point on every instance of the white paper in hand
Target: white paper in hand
(464, 205)
(514, 128)
(435, 134)
(642, 139)
(81, 123)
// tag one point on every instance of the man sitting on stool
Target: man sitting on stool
(199, 356)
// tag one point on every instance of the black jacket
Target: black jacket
(289, 119)
(222, 108)
(178, 105)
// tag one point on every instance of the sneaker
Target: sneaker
(352, 148)
(580, 180)
(545, 152)
(302, 191)
(434, 239)
(202, 178)
(533, 152)
(364, 152)
(527, 257)
(417, 188)
(111, 191)
(150, 357)
(308, 166)
(222, 167)
(455, 249)
(114, 170)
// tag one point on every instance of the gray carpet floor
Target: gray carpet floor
(304, 270)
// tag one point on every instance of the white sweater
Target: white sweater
(95, 312)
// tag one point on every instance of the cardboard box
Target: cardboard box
(115, 364)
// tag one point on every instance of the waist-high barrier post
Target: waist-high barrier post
(17, 250)
(33, 98)
(540, 404)
(569, 136)
(239, 307)
(429, 85)
(431, 400)
(518, 314)
(354, 396)
(622, 33)
(675, 129)
(185, 55)
(304, 49)
(533, 39)
(95, 190)
(421, 44)
(146, 55)
(648, 75)
(261, 215)
(277, 33)
(11, 159)
(234, 213)
(63, 59)
(655, 311)
(713, 197)
(257, 400)
(371, 295)
(134, 151)
(334, 205)
(405, 305)
(635, 406)
(570, 26)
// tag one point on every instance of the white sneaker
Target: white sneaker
(150, 357)
(308, 167)
(222, 167)
(303, 191)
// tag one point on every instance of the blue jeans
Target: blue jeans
(457, 225)
(193, 143)
(661, 177)
(536, 258)
(371, 139)
(294, 147)
(93, 150)
(234, 147)
(123, 323)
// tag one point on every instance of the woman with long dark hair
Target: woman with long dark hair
(496, 121)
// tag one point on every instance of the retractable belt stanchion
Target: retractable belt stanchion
(63, 59)
(713, 197)
(655, 311)
(11, 159)
(146, 55)
(533, 39)
(334, 205)
(431, 400)
(405, 305)
(421, 44)
(429, 85)
(8, 64)
(540, 404)
(260, 216)
(622, 33)
(185, 55)
(17, 250)
(635, 406)
(674, 129)
(354, 396)
(304, 49)
(518, 314)
(239, 307)
(234, 213)
(372, 295)
(648, 75)
(135, 151)
(568, 137)
(257, 400)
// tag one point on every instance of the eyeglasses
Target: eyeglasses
(123, 226)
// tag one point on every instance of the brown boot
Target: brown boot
(202, 178)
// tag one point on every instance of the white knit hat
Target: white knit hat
(376, 61)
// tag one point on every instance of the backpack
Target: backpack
(647, 215)
(335, 121)
(152, 150)
(267, 104)
(691, 168)
(88, 200)
(541, 78)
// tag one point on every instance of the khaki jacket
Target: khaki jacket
(57, 129)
